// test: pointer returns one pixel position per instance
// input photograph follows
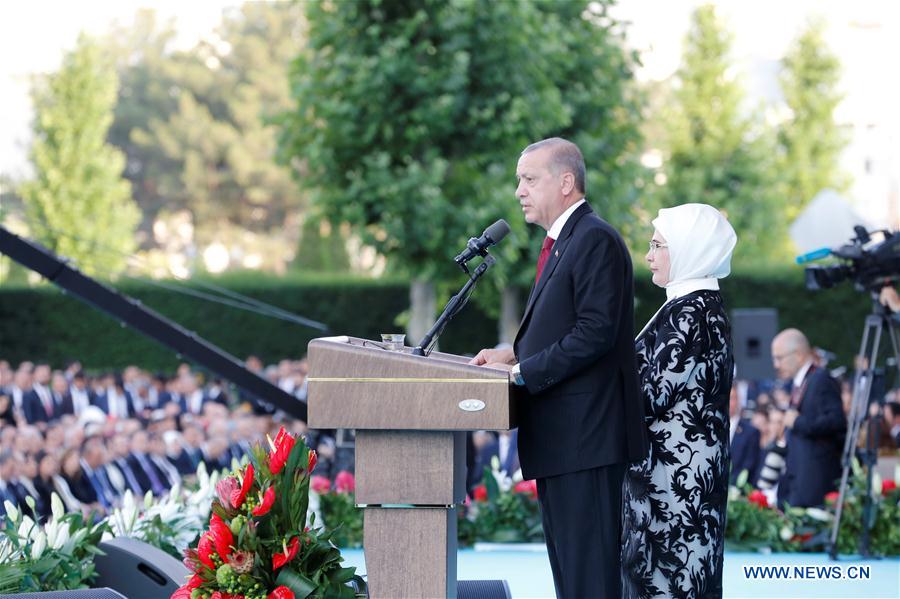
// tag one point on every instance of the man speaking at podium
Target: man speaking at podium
(581, 418)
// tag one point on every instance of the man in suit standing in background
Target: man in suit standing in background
(581, 418)
(815, 420)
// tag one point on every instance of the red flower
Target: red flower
(290, 551)
(205, 549)
(194, 582)
(344, 482)
(225, 490)
(221, 595)
(182, 593)
(239, 495)
(191, 559)
(758, 497)
(283, 444)
(887, 486)
(479, 493)
(281, 592)
(320, 484)
(267, 501)
(528, 487)
(221, 536)
(313, 458)
(831, 498)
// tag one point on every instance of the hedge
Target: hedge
(44, 324)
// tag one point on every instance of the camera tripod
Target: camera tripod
(863, 381)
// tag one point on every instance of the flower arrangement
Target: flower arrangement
(259, 544)
(339, 509)
(884, 536)
(171, 523)
(503, 509)
(55, 556)
(754, 525)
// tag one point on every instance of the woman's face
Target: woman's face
(49, 467)
(70, 465)
(658, 259)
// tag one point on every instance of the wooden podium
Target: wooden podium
(410, 414)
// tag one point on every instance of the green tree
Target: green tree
(322, 248)
(150, 73)
(78, 204)
(218, 135)
(810, 141)
(714, 152)
(410, 117)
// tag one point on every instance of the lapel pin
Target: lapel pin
(556, 253)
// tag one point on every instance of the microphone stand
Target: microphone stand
(453, 306)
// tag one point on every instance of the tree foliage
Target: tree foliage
(410, 116)
(810, 141)
(196, 123)
(714, 152)
(78, 204)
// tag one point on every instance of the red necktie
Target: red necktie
(542, 259)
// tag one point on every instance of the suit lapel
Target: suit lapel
(556, 254)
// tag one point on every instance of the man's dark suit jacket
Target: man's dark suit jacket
(745, 451)
(33, 408)
(575, 347)
(815, 443)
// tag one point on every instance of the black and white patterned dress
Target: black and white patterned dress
(674, 501)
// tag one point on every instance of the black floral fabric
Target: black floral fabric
(674, 501)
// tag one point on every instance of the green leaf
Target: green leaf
(299, 584)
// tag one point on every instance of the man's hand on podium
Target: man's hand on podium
(495, 358)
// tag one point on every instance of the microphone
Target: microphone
(478, 247)
(814, 255)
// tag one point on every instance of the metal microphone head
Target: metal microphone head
(497, 231)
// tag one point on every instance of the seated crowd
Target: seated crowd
(92, 438)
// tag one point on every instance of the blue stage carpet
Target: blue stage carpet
(810, 575)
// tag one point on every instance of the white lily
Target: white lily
(8, 551)
(74, 541)
(819, 514)
(786, 533)
(40, 543)
(26, 528)
(61, 536)
(56, 506)
(11, 511)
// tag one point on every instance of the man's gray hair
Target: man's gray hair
(565, 157)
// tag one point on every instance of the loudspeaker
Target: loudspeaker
(138, 570)
(752, 331)
(79, 594)
(482, 589)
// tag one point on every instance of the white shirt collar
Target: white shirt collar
(801, 374)
(560, 221)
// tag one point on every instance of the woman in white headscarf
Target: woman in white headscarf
(674, 501)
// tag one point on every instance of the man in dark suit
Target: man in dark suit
(580, 414)
(745, 443)
(815, 420)
(37, 407)
(62, 399)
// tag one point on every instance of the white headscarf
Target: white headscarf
(700, 241)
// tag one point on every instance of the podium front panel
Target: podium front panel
(364, 387)
(432, 467)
